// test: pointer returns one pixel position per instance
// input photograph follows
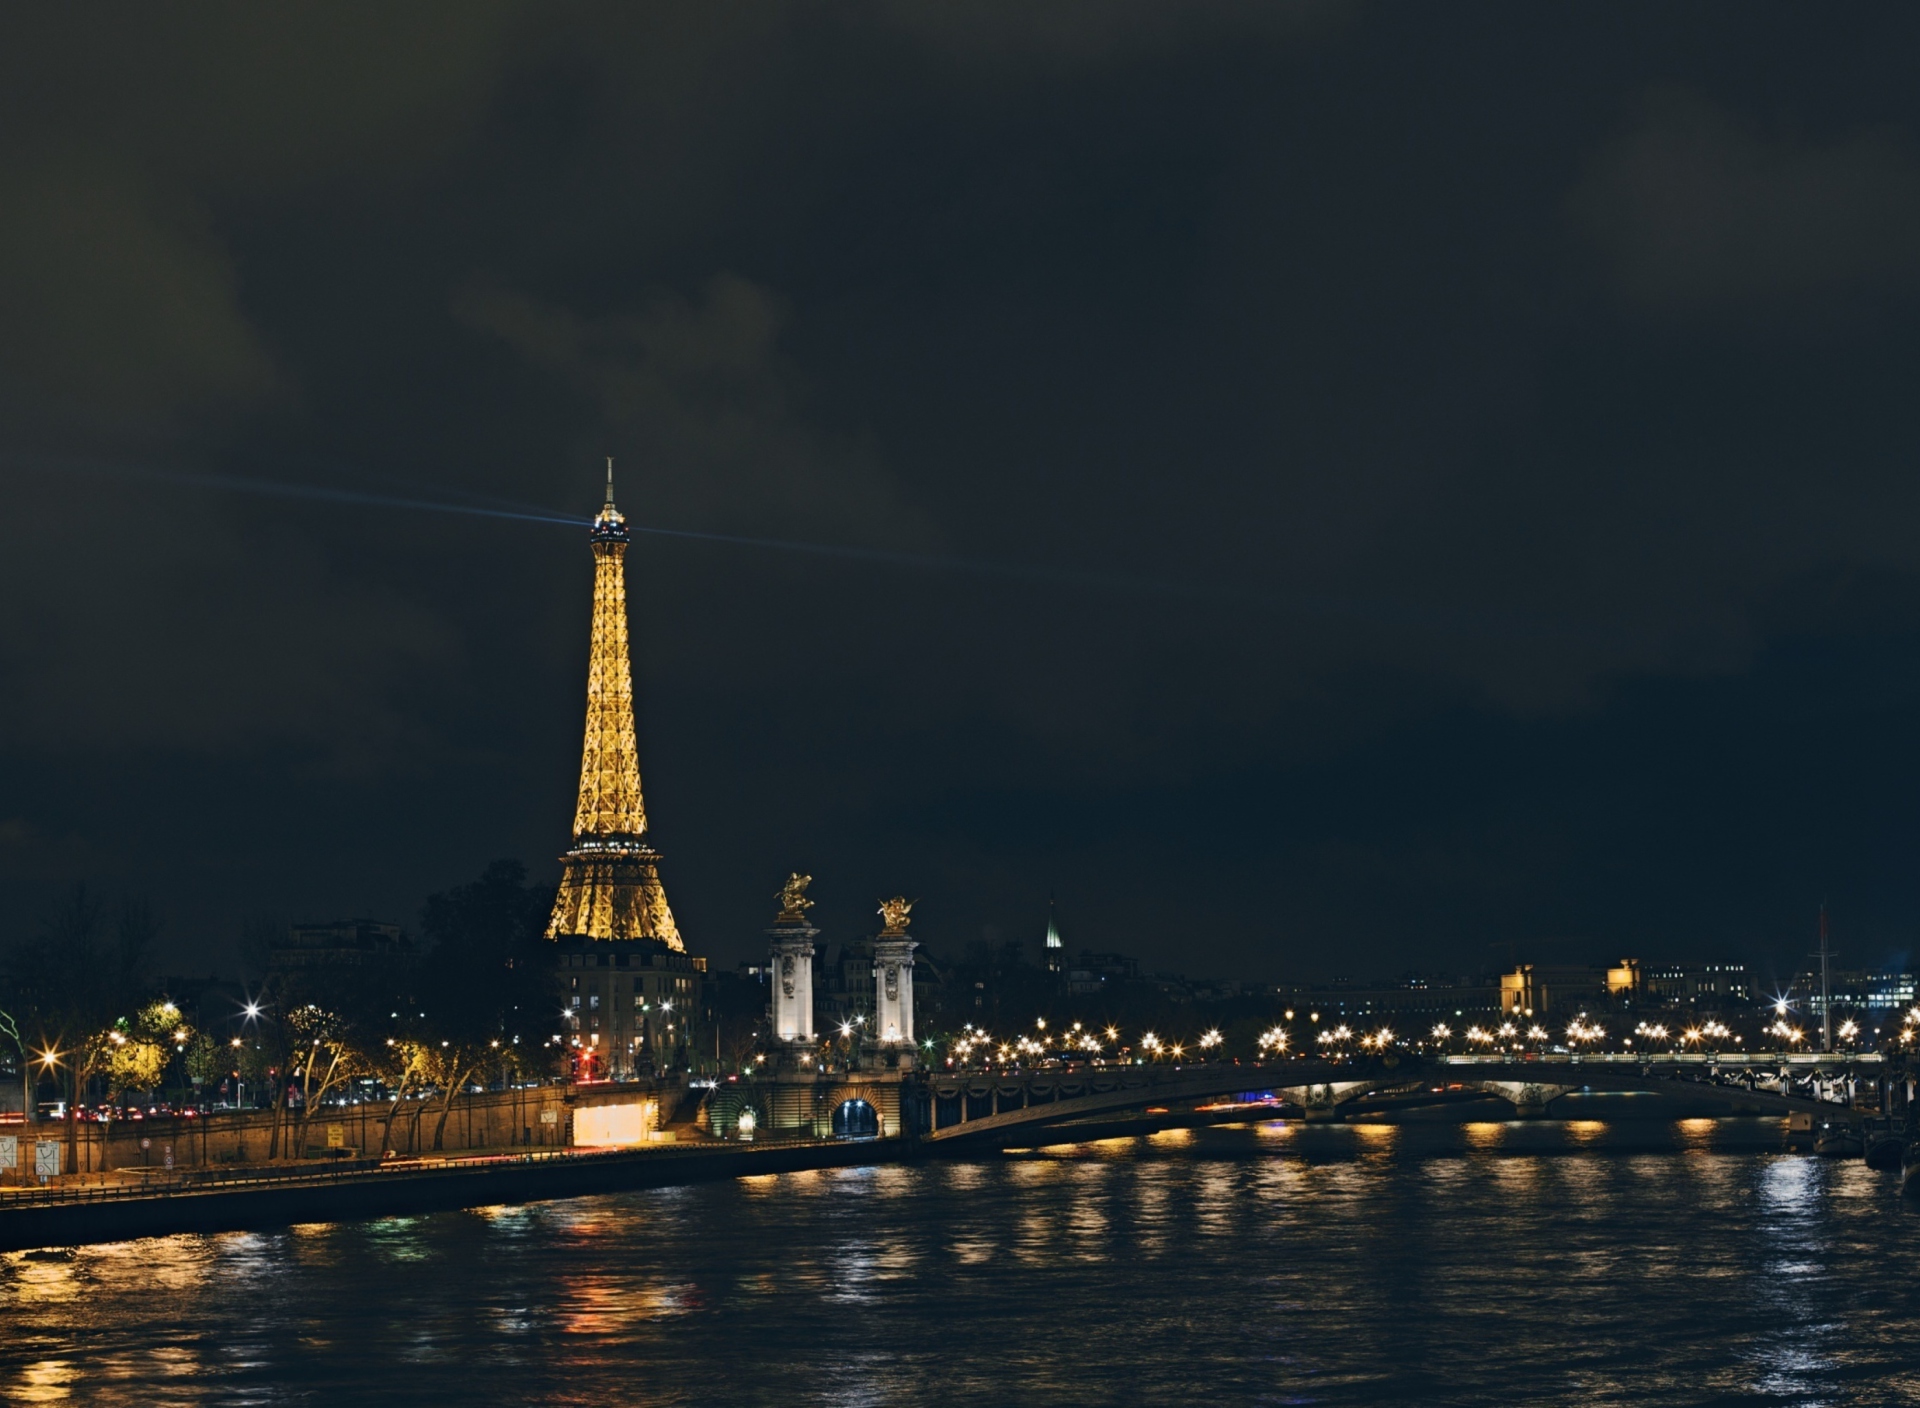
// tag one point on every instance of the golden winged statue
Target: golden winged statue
(794, 903)
(894, 912)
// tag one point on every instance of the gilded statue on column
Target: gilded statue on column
(794, 903)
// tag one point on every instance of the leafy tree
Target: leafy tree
(328, 1050)
(135, 1052)
(71, 983)
(205, 1059)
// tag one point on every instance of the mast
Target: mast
(1826, 988)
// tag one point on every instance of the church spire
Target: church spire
(610, 888)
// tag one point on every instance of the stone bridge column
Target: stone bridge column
(1322, 1102)
(1530, 1098)
(893, 986)
(792, 984)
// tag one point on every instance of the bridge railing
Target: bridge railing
(343, 1171)
(1668, 1058)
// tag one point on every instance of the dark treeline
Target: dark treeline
(81, 1015)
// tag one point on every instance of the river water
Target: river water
(1591, 1262)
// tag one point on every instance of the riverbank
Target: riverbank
(268, 1198)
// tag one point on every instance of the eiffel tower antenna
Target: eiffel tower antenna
(610, 885)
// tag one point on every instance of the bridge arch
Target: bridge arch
(856, 1118)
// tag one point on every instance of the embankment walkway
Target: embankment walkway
(257, 1199)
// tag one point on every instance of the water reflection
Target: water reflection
(1514, 1262)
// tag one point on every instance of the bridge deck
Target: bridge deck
(1715, 1079)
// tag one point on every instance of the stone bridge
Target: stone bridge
(1012, 1106)
(983, 1107)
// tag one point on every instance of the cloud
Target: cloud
(122, 309)
(120, 306)
(1075, 36)
(1697, 208)
(212, 629)
(696, 389)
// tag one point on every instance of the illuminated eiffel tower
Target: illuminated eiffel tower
(610, 888)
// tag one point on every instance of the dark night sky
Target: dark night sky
(1470, 449)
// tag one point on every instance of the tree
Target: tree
(484, 984)
(135, 1052)
(310, 1029)
(205, 1060)
(71, 983)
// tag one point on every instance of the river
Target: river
(1614, 1261)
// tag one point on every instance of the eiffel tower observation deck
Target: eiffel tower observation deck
(610, 888)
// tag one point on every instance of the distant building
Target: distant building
(1534, 989)
(338, 944)
(1056, 951)
(1218, 989)
(1411, 996)
(1698, 984)
(1096, 972)
(628, 1005)
(210, 1004)
(846, 979)
(1858, 990)
(1626, 979)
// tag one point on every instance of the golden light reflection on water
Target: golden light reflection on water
(1087, 1214)
(1518, 1177)
(1696, 1135)
(1150, 1195)
(45, 1381)
(1484, 1134)
(1216, 1200)
(971, 1251)
(1170, 1138)
(601, 1305)
(1275, 1129)
(1034, 1235)
(1585, 1131)
(40, 1282)
(964, 1177)
(1035, 1171)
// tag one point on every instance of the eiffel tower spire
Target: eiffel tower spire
(610, 887)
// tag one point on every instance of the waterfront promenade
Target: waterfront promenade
(270, 1196)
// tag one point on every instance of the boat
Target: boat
(1910, 1168)
(1835, 1139)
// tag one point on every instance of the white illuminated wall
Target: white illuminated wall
(893, 991)
(792, 980)
(602, 1126)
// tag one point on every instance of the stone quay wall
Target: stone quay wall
(536, 1117)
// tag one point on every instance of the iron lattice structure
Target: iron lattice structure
(610, 888)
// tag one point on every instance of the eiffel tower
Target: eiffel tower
(610, 888)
